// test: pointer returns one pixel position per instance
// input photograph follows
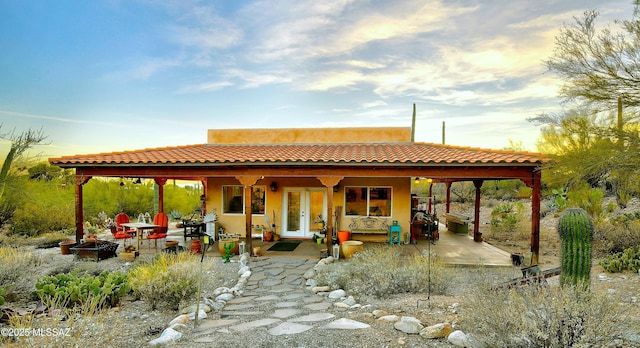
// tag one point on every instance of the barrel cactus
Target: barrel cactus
(576, 233)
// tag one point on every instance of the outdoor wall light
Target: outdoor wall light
(417, 180)
(273, 186)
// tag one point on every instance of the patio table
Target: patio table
(140, 228)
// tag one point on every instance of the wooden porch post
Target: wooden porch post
(248, 181)
(535, 217)
(80, 180)
(329, 183)
(448, 204)
(477, 236)
(160, 182)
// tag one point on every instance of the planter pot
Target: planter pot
(127, 256)
(227, 241)
(65, 246)
(196, 246)
(350, 247)
(268, 236)
(343, 236)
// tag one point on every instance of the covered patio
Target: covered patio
(452, 249)
(327, 161)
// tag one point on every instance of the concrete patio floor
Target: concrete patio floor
(453, 249)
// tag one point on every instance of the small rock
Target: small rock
(311, 282)
(169, 335)
(335, 294)
(181, 319)
(179, 327)
(225, 297)
(391, 318)
(349, 300)
(201, 315)
(458, 339)
(441, 330)
(310, 273)
(408, 325)
(318, 289)
(220, 290)
(341, 305)
(379, 313)
(190, 309)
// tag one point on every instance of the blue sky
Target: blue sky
(102, 76)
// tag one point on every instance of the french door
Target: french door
(302, 209)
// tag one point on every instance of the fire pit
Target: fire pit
(98, 250)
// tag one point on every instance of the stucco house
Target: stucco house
(298, 177)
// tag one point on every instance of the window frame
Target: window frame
(368, 200)
(263, 200)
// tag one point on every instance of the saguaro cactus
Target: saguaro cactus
(576, 233)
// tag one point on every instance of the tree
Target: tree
(19, 145)
(601, 73)
(597, 67)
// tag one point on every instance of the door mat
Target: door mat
(287, 245)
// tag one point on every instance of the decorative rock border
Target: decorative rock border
(177, 326)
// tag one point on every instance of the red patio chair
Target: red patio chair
(122, 232)
(161, 220)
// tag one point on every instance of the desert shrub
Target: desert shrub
(590, 200)
(626, 260)
(72, 289)
(168, 279)
(506, 217)
(616, 236)
(538, 316)
(363, 275)
(13, 263)
(38, 217)
(82, 326)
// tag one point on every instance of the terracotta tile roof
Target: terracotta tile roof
(383, 153)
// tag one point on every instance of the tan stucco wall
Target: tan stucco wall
(235, 223)
(309, 135)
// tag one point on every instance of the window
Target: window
(368, 201)
(233, 199)
(257, 200)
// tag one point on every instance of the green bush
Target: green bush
(539, 316)
(71, 289)
(363, 275)
(626, 260)
(506, 217)
(168, 279)
(591, 200)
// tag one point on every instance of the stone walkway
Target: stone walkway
(275, 298)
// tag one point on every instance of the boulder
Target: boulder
(441, 330)
(335, 294)
(458, 339)
(181, 319)
(408, 325)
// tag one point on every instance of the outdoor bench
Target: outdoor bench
(368, 225)
(458, 223)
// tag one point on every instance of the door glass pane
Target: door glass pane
(293, 211)
(316, 207)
